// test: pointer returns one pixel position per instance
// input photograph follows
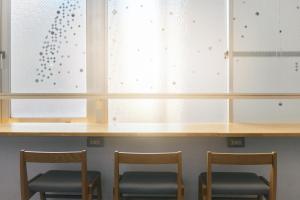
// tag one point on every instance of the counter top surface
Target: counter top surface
(149, 130)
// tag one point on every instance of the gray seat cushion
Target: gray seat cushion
(148, 184)
(60, 181)
(236, 183)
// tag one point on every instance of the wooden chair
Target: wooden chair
(232, 184)
(143, 184)
(59, 183)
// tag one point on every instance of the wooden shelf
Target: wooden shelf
(149, 130)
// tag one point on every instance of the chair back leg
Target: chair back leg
(116, 194)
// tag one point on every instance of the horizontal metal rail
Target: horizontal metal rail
(8, 96)
(266, 54)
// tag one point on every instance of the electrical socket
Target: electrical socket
(236, 142)
(95, 142)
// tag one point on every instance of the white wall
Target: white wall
(194, 152)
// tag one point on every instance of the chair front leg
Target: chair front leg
(203, 191)
(90, 193)
(116, 195)
(180, 194)
(90, 196)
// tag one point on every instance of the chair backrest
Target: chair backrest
(52, 157)
(146, 158)
(243, 159)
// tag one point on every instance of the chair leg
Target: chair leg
(203, 195)
(201, 190)
(116, 196)
(90, 196)
(42, 196)
(90, 193)
(180, 194)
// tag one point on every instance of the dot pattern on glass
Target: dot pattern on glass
(52, 57)
(159, 36)
(266, 26)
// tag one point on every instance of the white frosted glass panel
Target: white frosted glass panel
(267, 111)
(167, 46)
(44, 108)
(172, 111)
(289, 25)
(267, 75)
(266, 25)
(48, 53)
(256, 25)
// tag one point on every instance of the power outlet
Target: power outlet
(236, 142)
(95, 142)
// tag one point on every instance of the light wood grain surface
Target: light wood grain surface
(150, 130)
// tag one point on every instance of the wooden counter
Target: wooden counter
(149, 130)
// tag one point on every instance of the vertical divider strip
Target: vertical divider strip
(230, 35)
(1, 31)
(96, 60)
(105, 103)
(5, 37)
